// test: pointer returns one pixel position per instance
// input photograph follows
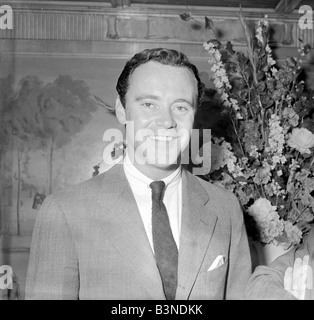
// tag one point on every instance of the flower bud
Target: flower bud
(307, 48)
(291, 62)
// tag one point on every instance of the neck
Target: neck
(152, 171)
(156, 173)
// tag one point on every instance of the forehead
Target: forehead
(156, 76)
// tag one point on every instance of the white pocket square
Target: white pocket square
(219, 261)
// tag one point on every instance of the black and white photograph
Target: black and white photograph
(157, 150)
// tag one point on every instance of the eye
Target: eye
(148, 105)
(181, 108)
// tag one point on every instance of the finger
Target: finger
(306, 260)
(297, 271)
(304, 275)
(310, 277)
(287, 281)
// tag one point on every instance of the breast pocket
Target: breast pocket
(210, 285)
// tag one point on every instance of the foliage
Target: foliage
(20, 114)
(46, 116)
(65, 106)
(6, 94)
(268, 160)
(58, 109)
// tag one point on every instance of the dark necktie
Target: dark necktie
(166, 251)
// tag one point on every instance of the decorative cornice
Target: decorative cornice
(99, 21)
(149, 9)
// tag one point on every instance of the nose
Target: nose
(166, 120)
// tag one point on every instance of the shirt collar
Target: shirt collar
(141, 182)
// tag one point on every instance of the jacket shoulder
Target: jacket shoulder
(223, 200)
(217, 191)
(87, 188)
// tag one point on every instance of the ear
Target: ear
(120, 111)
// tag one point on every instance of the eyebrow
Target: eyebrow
(148, 96)
(153, 97)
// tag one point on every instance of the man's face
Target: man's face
(159, 114)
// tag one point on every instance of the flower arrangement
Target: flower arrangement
(268, 159)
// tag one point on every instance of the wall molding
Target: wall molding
(100, 22)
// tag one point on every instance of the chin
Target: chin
(164, 161)
(165, 167)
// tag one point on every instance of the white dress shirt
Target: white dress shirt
(143, 195)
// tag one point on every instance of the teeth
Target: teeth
(161, 138)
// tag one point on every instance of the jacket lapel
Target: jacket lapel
(197, 228)
(127, 232)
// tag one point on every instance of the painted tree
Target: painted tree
(65, 108)
(21, 122)
(39, 116)
(6, 95)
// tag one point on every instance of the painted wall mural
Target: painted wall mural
(52, 122)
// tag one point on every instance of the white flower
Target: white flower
(262, 210)
(273, 70)
(230, 162)
(270, 230)
(294, 165)
(217, 156)
(276, 141)
(259, 35)
(270, 59)
(224, 96)
(226, 103)
(239, 116)
(254, 152)
(220, 77)
(263, 174)
(294, 234)
(301, 139)
(268, 222)
(293, 117)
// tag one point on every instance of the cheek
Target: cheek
(137, 126)
(139, 117)
(185, 122)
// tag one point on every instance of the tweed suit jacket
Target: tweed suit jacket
(267, 282)
(89, 242)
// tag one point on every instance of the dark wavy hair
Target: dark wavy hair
(164, 56)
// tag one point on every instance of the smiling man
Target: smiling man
(162, 112)
(147, 229)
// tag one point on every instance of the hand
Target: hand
(299, 278)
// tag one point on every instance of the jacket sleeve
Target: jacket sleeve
(267, 282)
(53, 266)
(240, 265)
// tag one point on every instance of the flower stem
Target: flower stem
(249, 45)
(238, 138)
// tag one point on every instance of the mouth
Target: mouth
(162, 138)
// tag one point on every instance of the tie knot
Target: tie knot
(157, 189)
